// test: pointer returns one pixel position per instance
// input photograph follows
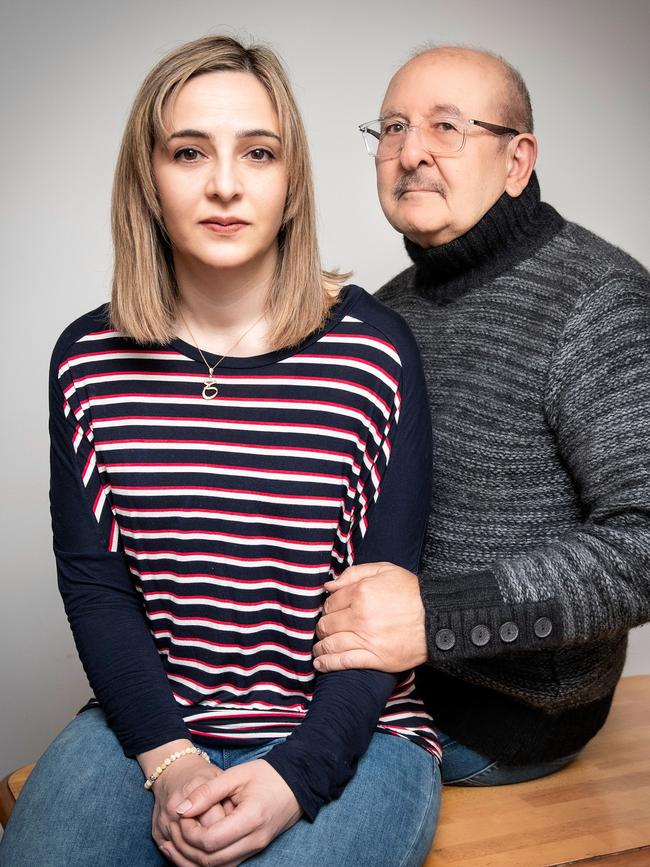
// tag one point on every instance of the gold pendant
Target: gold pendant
(210, 390)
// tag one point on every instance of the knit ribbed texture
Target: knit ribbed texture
(535, 336)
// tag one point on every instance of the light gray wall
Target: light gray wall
(69, 70)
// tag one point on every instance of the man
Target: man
(535, 337)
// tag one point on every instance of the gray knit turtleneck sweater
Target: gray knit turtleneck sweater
(535, 338)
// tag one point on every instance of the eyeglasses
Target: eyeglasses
(440, 136)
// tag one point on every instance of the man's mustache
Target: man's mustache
(417, 181)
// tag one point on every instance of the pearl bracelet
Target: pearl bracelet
(188, 751)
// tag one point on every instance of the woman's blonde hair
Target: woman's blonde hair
(145, 294)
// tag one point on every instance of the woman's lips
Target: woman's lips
(229, 227)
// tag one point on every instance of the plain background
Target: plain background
(69, 70)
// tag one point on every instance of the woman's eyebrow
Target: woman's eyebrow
(257, 133)
(189, 133)
(243, 133)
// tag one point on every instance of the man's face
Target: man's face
(433, 200)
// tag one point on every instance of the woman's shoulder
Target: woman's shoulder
(94, 325)
(86, 329)
(362, 310)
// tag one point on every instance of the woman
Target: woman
(234, 430)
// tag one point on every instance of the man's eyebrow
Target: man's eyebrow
(242, 133)
(448, 109)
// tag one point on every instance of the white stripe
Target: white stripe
(216, 424)
(238, 669)
(354, 363)
(113, 356)
(230, 540)
(245, 496)
(239, 628)
(204, 557)
(236, 448)
(239, 472)
(229, 649)
(230, 604)
(225, 582)
(226, 516)
(363, 341)
(96, 336)
(100, 503)
(89, 469)
(231, 690)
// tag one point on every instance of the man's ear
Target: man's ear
(522, 155)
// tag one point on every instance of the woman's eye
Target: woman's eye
(260, 155)
(187, 155)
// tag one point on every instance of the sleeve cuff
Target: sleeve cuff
(466, 618)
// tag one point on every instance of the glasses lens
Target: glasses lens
(439, 136)
(442, 135)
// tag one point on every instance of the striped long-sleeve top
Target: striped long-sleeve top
(193, 536)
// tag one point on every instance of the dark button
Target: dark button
(543, 627)
(509, 631)
(480, 635)
(445, 639)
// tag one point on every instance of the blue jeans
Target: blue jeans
(84, 805)
(462, 766)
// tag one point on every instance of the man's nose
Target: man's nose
(224, 182)
(413, 153)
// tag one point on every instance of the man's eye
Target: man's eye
(395, 127)
(187, 155)
(260, 155)
(445, 126)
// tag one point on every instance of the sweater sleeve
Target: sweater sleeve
(321, 755)
(592, 583)
(102, 605)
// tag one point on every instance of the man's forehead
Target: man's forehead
(462, 81)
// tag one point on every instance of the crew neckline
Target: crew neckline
(347, 298)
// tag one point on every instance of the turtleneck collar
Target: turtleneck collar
(511, 231)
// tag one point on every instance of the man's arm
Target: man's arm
(590, 584)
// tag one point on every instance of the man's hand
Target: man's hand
(260, 807)
(374, 618)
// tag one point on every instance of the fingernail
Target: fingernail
(183, 807)
(318, 663)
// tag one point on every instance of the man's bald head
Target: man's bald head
(432, 196)
(514, 102)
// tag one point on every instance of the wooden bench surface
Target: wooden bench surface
(595, 811)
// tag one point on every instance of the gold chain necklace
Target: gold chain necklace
(210, 390)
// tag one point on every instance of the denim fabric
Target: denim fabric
(85, 804)
(462, 766)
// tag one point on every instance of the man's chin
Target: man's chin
(426, 236)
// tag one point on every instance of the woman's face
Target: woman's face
(221, 175)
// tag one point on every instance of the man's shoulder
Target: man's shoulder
(581, 248)
(399, 292)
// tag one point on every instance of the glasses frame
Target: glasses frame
(495, 128)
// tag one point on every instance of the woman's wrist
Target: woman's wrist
(152, 759)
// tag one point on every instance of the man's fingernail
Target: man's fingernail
(318, 663)
(183, 807)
